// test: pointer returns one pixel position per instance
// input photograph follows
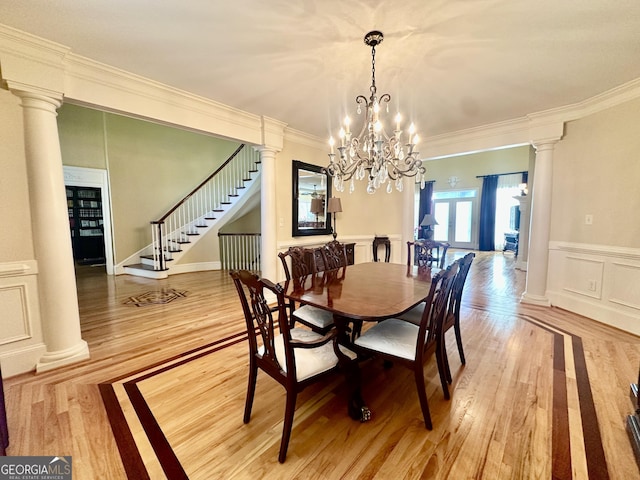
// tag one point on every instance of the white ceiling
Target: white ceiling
(447, 64)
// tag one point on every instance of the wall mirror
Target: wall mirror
(311, 189)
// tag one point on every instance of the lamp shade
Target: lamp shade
(316, 206)
(334, 205)
(428, 220)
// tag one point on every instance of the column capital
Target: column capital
(545, 144)
(266, 150)
(37, 97)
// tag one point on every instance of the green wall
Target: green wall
(150, 166)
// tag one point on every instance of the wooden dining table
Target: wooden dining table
(369, 292)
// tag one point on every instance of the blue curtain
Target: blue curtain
(488, 213)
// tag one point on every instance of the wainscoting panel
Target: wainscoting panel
(584, 276)
(13, 299)
(601, 282)
(21, 341)
(625, 285)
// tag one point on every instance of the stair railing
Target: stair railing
(209, 198)
(240, 251)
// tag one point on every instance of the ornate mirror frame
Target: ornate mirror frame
(311, 191)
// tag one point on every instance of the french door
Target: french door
(455, 212)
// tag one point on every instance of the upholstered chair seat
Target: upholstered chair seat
(309, 361)
(393, 337)
(314, 317)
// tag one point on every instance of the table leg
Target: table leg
(356, 406)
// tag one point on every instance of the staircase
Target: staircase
(211, 204)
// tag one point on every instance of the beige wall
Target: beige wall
(596, 172)
(467, 167)
(363, 214)
(249, 223)
(151, 166)
(15, 217)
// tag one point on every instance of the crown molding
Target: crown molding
(108, 88)
(303, 138)
(615, 96)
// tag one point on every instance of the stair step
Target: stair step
(150, 257)
(210, 218)
(233, 195)
(191, 234)
(253, 171)
(202, 226)
(225, 203)
(142, 266)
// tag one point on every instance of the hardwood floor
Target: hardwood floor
(544, 394)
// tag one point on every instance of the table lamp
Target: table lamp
(316, 207)
(334, 206)
(427, 223)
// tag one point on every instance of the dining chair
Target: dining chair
(423, 255)
(334, 255)
(295, 357)
(302, 265)
(402, 342)
(452, 316)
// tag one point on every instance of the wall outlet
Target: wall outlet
(593, 285)
(588, 219)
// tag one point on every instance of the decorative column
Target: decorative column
(52, 242)
(408, 217)
(523, 234)
(268, 221)
(538, 255)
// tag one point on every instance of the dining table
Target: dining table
(364, 292)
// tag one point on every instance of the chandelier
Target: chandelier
(372, 153)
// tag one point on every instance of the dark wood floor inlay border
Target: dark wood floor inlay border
(561, 446)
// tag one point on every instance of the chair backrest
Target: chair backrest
(261, 324)
(435, 308)
(423, 253)
(458, 285)
(334, 255)
(301, 264)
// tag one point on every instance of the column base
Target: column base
(53, 360)
(521, 265)
(535, 299)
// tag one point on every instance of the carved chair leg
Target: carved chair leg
(288, 424)
(442, 370)
(456, 328)
(251, 390)
(422, 395)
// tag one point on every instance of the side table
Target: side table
(377, 241)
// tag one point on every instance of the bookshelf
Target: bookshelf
(84, 205)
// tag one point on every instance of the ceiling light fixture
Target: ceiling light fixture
(372, 153)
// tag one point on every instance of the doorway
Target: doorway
(455, 212)
(95, 233)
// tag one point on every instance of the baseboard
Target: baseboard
(194, 267)
(22, 360)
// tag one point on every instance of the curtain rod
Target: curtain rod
(500, 174)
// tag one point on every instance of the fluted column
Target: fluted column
(52, 242)
(538, 257)
(268, 221)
